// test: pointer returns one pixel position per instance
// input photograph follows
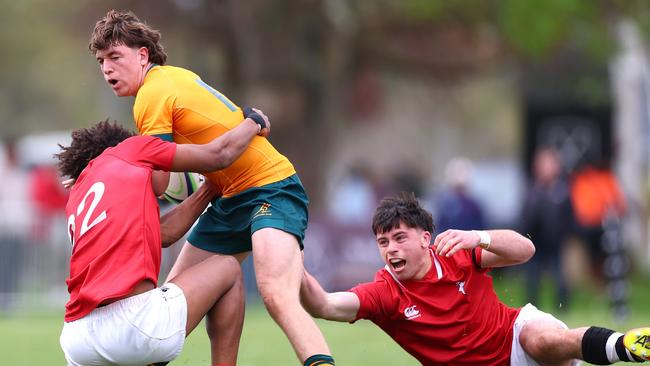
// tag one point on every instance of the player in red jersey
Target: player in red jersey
(438, 303)
(115, 314)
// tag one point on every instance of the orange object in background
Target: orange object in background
(595, 193)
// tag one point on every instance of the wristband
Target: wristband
(485, 239)
(257, 118)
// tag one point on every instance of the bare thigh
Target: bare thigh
(191, 255)
(205, 283)
(278, 261)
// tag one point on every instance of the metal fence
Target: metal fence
(35, 264)
(33, 267)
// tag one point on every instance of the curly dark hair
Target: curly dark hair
(403, 208)
(124, 27)
(87, 144)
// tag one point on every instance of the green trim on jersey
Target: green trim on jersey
(165, 137)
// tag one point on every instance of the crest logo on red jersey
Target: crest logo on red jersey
(412, 312)
(461, 287)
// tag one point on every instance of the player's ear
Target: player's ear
(425, 239)
(143, 55)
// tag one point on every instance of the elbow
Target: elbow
(168, 235)
(314, 311)
(528, 250)
(317, 313)
(168, 240)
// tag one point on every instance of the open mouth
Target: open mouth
(112, 81)
(397, 264)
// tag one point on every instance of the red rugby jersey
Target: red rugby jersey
(114, 223)
(450, 317)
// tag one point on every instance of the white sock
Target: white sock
(610, 347)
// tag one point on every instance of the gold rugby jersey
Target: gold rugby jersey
(175, 102)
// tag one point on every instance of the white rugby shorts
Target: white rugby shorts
(519, 357)
(138, 330)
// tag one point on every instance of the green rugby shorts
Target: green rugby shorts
(229, 222)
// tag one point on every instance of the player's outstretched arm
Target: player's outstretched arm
(338, 306)
(177, 221)
(503, 247)
(220, 152)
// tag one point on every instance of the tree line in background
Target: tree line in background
(300, 60)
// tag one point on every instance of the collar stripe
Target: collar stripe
(435, 262)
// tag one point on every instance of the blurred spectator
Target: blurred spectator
(366, 93)
(407, 178)
(341, 242)
(600, 205)
(547, 218)
(354, 198)
(15, 223)
(596, 196)
(456, 208)
(49, 197)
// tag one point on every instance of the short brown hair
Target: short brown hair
(404, 208)
(124, 27)
(87, 144)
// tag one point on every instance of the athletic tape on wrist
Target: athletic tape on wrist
(257, 118)
(485, 239)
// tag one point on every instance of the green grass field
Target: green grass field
(31, 338)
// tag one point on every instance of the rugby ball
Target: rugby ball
(182, 185)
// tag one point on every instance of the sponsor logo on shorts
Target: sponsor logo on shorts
(412, 312)
(264, 210)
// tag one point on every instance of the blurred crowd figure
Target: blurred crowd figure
(599, 208)
(547, 218)
(455, 206)
(15, 223)
(354, 198)
(587, 204)
(49, 198)
(596, 197)
(32, 201)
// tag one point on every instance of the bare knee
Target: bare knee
(229, 264)
(275, 295)
(269, 291)
(230, 269)
(536, 342)
(224, 267)
(549, 344)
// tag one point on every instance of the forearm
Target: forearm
(507, 248)
(312, 296)
(175, 223)
(337, 306)
(218, 153)
(233, 143)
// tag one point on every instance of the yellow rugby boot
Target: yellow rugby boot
(637, 341)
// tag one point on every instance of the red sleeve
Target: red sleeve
(468, 258)
(370, 296)
(477, 255)
(149, 151)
